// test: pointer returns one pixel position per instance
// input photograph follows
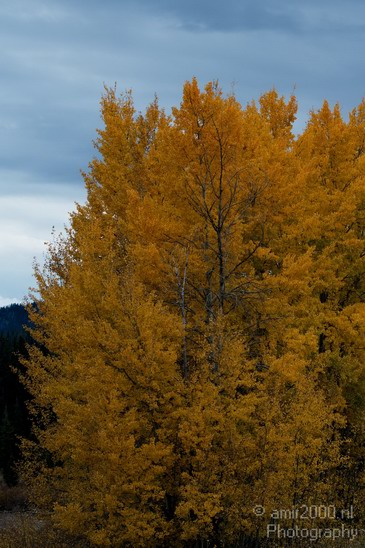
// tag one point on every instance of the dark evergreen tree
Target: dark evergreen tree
(13, 396)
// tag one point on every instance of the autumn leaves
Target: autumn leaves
(203, 324)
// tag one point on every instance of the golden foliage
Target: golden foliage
(200, 329)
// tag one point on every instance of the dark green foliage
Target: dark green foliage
(13, 318)
(13, 413)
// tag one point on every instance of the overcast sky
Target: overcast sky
(55, 56)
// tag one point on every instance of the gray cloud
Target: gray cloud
(279, 15)
(29, 211)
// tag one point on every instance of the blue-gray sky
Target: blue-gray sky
(55, 56)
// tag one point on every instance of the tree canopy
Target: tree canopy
(200, 326)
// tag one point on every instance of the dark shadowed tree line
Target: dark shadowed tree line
(14, 421)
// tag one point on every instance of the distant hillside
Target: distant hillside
(14, 420)
(12, 319)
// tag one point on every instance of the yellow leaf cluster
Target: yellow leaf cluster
(200, 328)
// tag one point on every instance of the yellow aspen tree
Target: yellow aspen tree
(331, 178)
(177, 374)
(107, 385)
(231, 167)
